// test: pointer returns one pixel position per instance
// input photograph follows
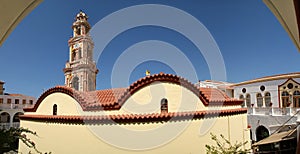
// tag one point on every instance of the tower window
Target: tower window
(54, 109)
(78, 30)
(164, 105)
(75, 83)
(79, 53)
(73, 56)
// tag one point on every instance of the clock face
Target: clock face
(76, 46)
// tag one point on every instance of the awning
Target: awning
(282, 136)
(12, 12)
(288, 14)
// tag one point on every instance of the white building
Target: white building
(11, 106)
(271, 101)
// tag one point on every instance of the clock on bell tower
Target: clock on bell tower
(81, 71)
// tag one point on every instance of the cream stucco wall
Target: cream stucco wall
(148, 99)
(188, 136)
(66, 105)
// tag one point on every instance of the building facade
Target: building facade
(271, 101)
(159, 113)
(11, 107)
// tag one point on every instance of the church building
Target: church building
(159, 113)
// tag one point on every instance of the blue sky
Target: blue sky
(252, 43)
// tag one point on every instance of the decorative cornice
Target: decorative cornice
(132, 118)
(270, 78)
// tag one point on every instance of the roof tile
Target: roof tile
(113, 99)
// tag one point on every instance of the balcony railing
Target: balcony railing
(274, 111)
(7, 125)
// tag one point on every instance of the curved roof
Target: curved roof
(270, 78)
(11, 13)
(113, 99)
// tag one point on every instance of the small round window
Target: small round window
(262, 88)
(290, 86)
(244, 90)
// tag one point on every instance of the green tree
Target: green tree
(10, 138)
(225, 147)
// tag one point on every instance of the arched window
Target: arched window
(296, 98)
(242, 98)
(164, 105)
(259, 100)
(75, 83)
(284, 98)
(79, 53)
(54, 109)
(248, 100)
(268, 99)
(4, 117)
(73, 56)
(261, 133)
(78, 30)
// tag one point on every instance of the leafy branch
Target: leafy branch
(9, 138)
(225, 146)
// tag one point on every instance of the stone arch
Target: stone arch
(261, 133)
(4, 117)
(16, 117)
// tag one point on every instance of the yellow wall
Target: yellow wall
(169, 137)
(147, 99)
(66, 105)
(189, 136)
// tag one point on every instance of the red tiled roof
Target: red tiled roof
(113, 99)
(133, 118)
(20, 95)
(212, 94)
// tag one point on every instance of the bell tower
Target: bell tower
(81, 71)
